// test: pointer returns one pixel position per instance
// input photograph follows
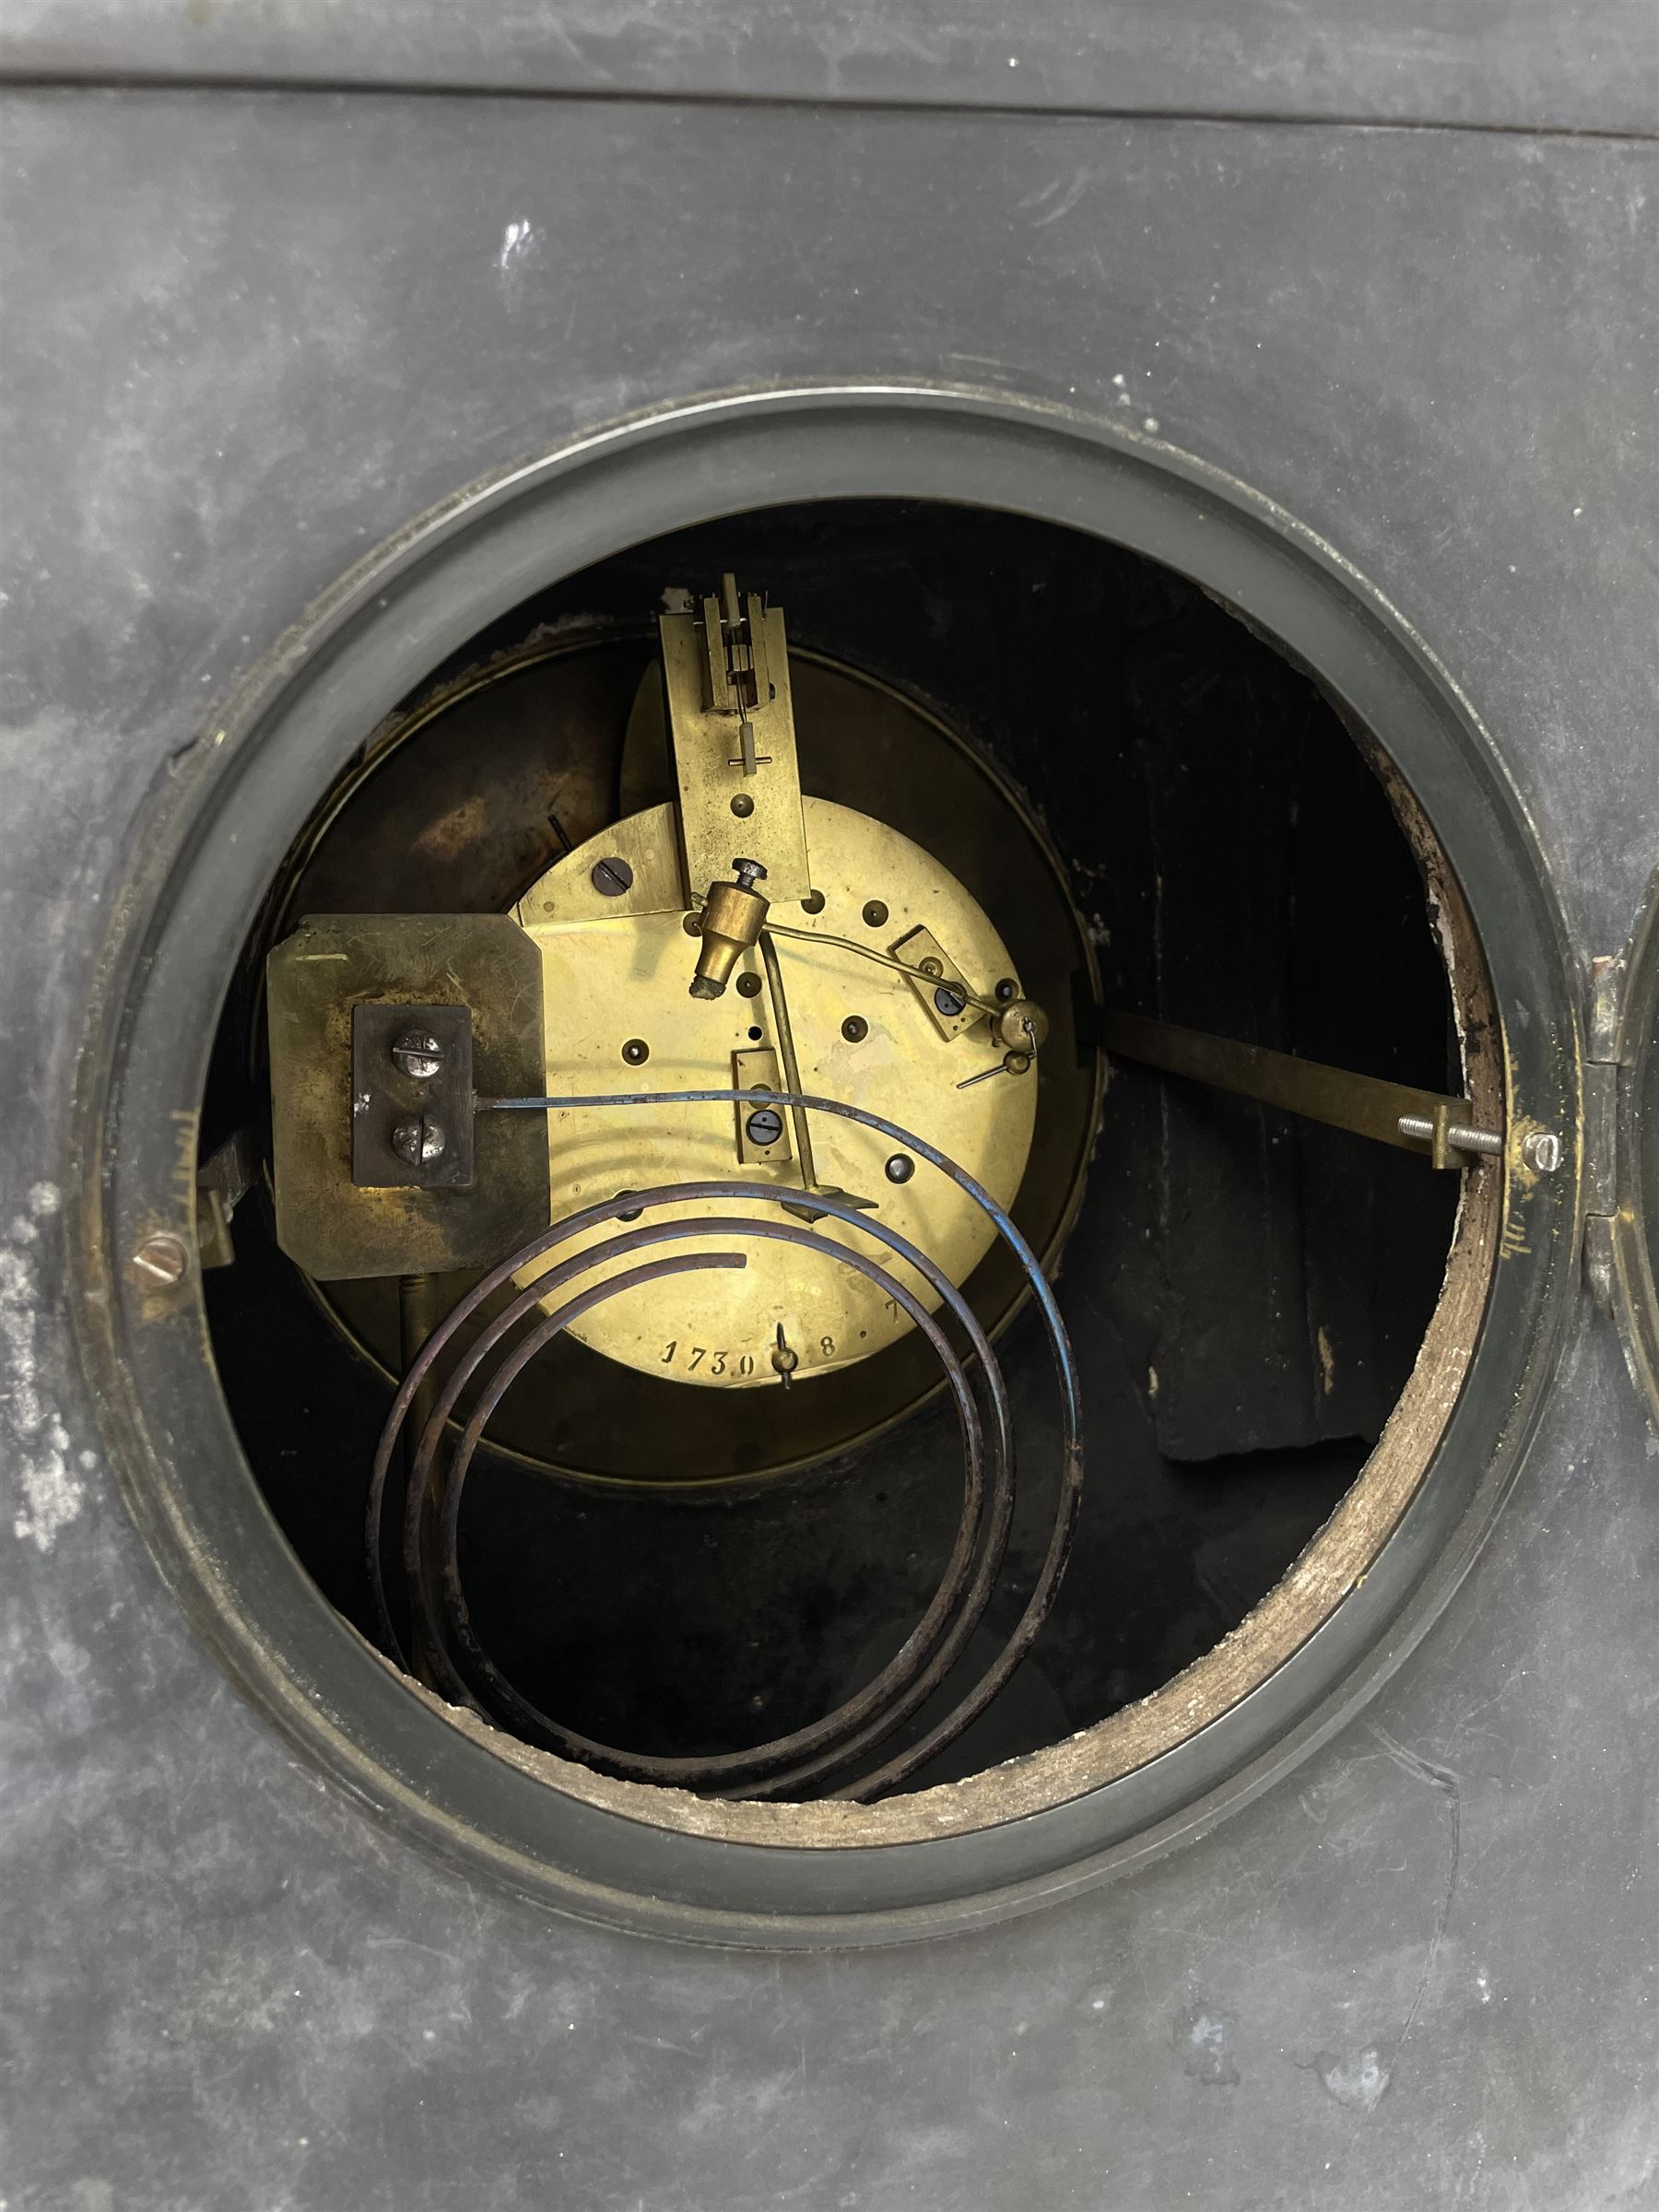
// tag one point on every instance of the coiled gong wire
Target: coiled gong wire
(806, 1761)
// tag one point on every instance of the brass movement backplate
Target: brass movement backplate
(860, 1032)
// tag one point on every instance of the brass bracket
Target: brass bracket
(628, 869)
(731, 725)
(938, 982)
(758, 1071)
(222, 1182)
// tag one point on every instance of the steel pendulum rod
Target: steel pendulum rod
(419, 1310)
(1389, 1113)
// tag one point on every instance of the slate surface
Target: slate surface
(253, 334)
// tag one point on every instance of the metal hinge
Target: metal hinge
(1603, 1033)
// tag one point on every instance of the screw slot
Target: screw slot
(418, 1054)
(764, 1126)
(160, 1259)
(1542, 1151)
(419, 1141)
(611, 877)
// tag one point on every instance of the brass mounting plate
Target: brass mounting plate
(610, 983)
(335, 1229)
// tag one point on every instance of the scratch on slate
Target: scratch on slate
(1444, 1780)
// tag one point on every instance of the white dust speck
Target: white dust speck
(517, 240)
(520, 251)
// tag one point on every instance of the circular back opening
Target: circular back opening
(1041, 769)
